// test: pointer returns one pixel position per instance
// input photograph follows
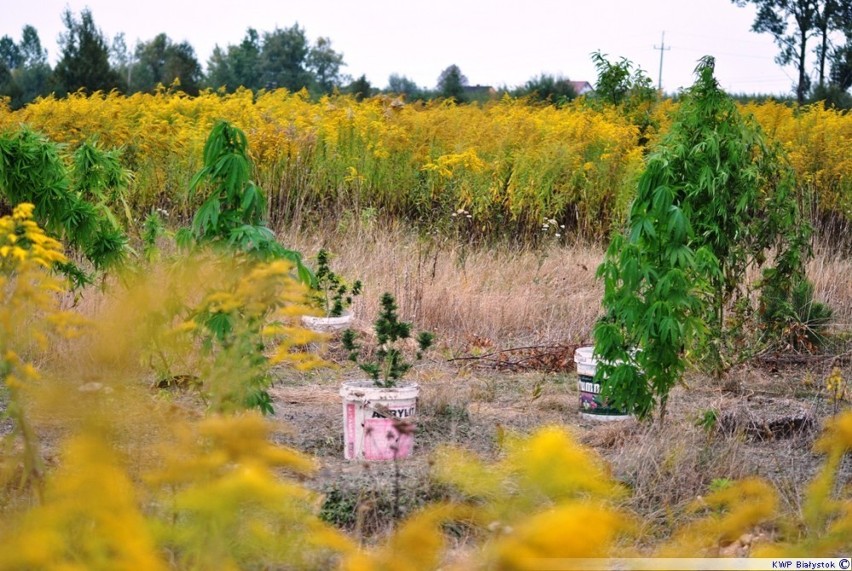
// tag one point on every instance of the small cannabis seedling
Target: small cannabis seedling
(333, 294)
(389, 365)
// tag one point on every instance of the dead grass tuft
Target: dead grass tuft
(831, 274)
(609, 435)
(667, 467)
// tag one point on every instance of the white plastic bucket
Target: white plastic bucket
(327, 324)
(377, 422)
(591, 404)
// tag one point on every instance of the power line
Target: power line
(662, 49)
(727, 54)
(751, 40)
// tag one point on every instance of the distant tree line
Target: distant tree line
(88, 60)
(282, 58)
(24, 71)
(811, 34)
(285, 58)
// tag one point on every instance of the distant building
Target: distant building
(476, 91)
(582, 87)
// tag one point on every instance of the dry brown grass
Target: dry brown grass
(472, 297)
(482, 298)
(831, 274)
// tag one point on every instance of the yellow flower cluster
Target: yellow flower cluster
(836, 385)
(817, 141)
(29, 315)
(548, 497)
(268, 293)
(550, 500)
(210, 499)
(216, 493)
(22, 241)
(27, 290)
(505, 161)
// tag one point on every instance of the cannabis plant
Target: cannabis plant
(73, 205)
(715, 199)
(232, 217)
(333, 294)
(389, 365)
(234, 211)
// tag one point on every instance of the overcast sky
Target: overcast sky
(494, 42)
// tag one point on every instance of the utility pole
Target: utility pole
(662, 49)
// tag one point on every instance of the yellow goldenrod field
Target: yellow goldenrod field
(512, 165)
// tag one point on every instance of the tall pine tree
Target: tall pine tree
(84, 61)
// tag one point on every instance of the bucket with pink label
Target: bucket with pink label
(378, 422)
(378, 414)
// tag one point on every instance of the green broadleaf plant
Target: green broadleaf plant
(715, 199)
(72, 204)
(234, 211)
(232, 216)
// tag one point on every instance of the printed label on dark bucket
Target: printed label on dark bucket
(590, 398)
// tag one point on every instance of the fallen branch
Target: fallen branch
(549, 358)
(803, 359)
